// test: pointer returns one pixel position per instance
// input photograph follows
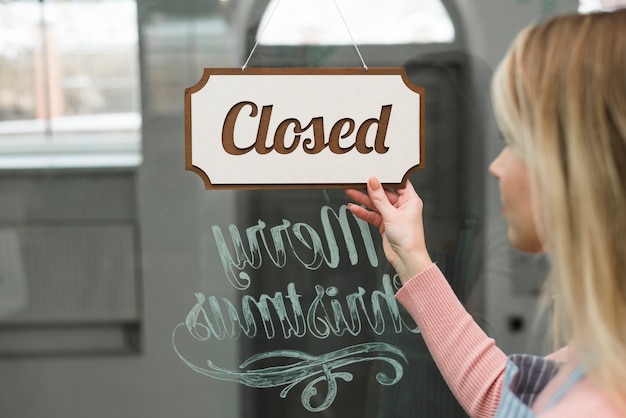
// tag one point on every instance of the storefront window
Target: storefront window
(70, 122)
(70, 84)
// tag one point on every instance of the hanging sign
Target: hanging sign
(303, 128)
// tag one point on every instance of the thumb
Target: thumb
(378, 197)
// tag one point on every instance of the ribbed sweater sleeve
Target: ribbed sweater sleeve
(468, 359)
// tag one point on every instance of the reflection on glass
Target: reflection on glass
(19, 41)
(176, 46)
(588, 6)
(323, 22)
(68, 67)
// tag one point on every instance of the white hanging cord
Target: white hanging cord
(270, 18)
(350, 33)
(258, 39)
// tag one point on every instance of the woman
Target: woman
(560, 101)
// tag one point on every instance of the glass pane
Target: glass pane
(93, 55)
(20, 65)
(331, 22)
(587, 6)
(69, 67)
(68, 264)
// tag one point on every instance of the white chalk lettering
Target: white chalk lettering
(252, 256)
(213, 317)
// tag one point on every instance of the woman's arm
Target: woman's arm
(468, 359)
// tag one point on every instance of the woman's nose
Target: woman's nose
(496, 165)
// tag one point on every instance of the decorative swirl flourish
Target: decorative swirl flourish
(306, 366)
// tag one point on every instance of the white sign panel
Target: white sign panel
(299, 128)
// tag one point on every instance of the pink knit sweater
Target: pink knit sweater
(471, 363)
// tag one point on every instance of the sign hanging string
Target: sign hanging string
(270, 18)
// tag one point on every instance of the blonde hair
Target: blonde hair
(560, 99)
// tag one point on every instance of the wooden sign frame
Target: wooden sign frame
(209, 73)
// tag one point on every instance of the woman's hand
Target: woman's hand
(398, 217)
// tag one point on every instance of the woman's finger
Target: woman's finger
(366, 215)
(407, 189)
(360, 197)
(391, 196)
(363, 198)
(379, 197)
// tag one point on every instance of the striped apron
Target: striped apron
(525, 376)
